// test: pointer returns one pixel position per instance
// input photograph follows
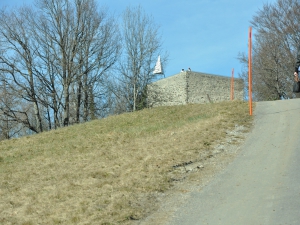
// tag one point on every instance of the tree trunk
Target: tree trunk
(38, 118)
(39, 125)
(78, 102)
(134, 97)
(49, 119)
(92, 108)
(66, 113)
(86, 99)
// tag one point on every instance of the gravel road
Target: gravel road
(262, 185)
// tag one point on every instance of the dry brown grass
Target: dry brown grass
(107, 171)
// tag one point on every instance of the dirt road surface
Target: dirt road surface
(262, 185)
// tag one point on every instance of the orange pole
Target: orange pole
(250, 70)
(232, 86)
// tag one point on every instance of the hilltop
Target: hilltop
(114, 170)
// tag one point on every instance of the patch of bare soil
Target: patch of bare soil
(192, 176)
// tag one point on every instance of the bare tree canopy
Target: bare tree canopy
(53, 59)
(141, 46)
(277, 36)
(17, 63)
(64, 62)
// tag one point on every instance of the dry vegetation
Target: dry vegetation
(108, 171)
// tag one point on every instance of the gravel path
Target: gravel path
(259, 185)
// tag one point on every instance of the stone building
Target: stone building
(193, 87)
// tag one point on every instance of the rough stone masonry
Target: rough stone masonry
(193, 87)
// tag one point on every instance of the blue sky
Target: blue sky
(205, 35)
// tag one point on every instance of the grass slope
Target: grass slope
(105, 171)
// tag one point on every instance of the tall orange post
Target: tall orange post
(250, 70)
(232, 85)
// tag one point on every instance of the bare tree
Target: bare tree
(55, 58)
(142, 44)
(8, 126)
(276, 40)
(84, 44)
(17, 60)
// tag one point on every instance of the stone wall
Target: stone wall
(193, 87)
(169, 91)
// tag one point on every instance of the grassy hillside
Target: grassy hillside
(106, 171)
